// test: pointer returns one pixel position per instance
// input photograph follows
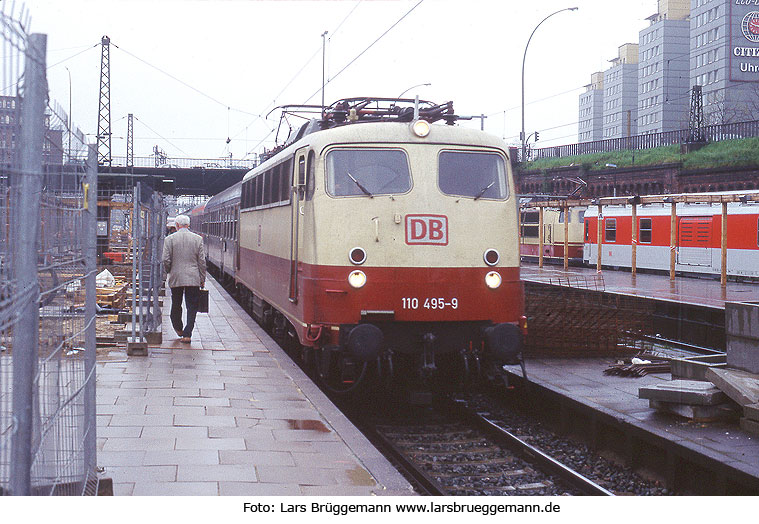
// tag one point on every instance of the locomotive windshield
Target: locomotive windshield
(472, 174)
(370, 172)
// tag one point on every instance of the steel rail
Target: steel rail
(517, 445)
(427, 484)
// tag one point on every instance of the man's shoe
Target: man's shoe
(179, 333)
(185, 339)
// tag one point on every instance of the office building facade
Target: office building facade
(621, 94)
(725, 58)
(664, 69)
(710, 43)
(10, 132)
(590, 127)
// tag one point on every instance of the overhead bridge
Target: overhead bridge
(178, 176)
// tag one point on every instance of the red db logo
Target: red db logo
(427, 230)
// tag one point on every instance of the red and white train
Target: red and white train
(698, 233)
(698, 237)
(379, 243)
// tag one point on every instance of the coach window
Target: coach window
(472, 174)
(611, 230)
(367, 172)
(587, 231)
(259, 190)
(644, 232)
(286, 182)
(530, 223)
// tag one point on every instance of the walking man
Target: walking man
(184, 259)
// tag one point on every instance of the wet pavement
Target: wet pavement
(227, 414)
(686, 290)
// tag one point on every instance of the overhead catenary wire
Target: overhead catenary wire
(161, 136)
(346, 66)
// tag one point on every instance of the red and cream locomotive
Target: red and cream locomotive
(380, 243)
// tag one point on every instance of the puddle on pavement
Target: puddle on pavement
(314, 425)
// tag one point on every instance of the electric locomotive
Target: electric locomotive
(381, 240)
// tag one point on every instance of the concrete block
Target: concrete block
(154, 338)
(752, 426)
(723, 411)
(742, 333)
(751, 412)
(694, 368)
(741, 386)
(692, 392)
(137, 347)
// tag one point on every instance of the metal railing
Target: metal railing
(186, 163)
(47, 291)
(712, 133)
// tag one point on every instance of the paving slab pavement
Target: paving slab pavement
(227, 414)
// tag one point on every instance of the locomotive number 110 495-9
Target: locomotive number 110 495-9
(429, 303)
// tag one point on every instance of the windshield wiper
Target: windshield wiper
(361, 187)
(482, 191)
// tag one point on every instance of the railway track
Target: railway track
(465, 453)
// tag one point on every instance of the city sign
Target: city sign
(744, 40)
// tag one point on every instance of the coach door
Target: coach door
(296, 197)
(694, 237)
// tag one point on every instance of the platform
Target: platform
(726, 453)
(228, 414)
(705, 292)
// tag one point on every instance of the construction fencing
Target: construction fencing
(570, 318)
(48, 218)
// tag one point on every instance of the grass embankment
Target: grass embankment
(728, 153)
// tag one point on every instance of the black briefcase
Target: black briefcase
(203, 301)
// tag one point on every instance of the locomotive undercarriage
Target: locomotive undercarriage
(416, 356)
(419, 355)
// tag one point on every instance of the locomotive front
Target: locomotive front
(415, 263)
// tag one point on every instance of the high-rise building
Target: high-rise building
(724, 58)
(8, 128)
(52, 146)
(710, 43)
(590, 127)
(621, 94)
(663, 69)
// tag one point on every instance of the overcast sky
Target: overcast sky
(196, 72)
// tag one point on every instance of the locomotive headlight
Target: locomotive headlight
(421, 128)
(493, 280)
(357, 279)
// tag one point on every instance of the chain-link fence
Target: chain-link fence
(48, 206)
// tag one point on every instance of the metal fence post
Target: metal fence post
(90, 314)
(26, 333)
(135, 254)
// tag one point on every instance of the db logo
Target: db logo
(427, 230)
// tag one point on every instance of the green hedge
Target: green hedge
(727, 153)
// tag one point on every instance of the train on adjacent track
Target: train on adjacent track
(379, 241)
(697, 234)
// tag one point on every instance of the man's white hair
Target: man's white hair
(182, 220)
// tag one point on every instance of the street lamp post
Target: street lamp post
(522, 135)
(69, 123)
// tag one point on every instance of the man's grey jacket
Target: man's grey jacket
(184, 258)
